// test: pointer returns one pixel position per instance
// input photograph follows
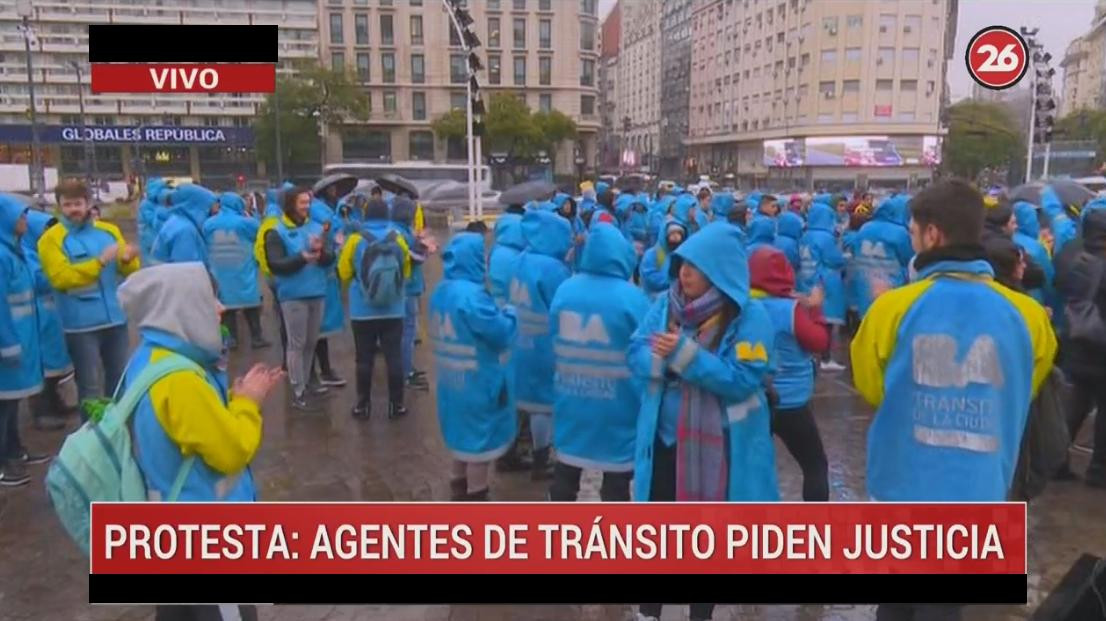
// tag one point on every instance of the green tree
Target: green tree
(314, 95)
(981, 135)
(1084, 125)
(556, 127)
(511, 127)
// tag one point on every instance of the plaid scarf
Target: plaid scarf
(701, 460)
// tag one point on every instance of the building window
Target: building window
(520, 5)
(494, 69)
(827, 88)
(587, 7)
(520, 71)
(388, 62)
(587, 105)
(850, 86)
(338, 61)
(363, 71)
(884, 85)
(416, 30)
(418, 106)
(545, 34)
(458, 101)
(545, 102)
(854, 22)
(493, 32)
(389, 102)
(910, 57)
(385, 2)
(336, 28)
(361, 29)
(421, 145)
(906, 116)
(415, 2)
(908, 86)
(587, 72)
(520, 33)
(886, 56)
(545, 5)
(829, 25)
(587, 36)
(364, 144)
(852, 54)
(545, 70)
(887, 23)
(829, 56)
(912, 23)
(493, 5)
(387, 32)
(458, 69)
(418, 68)
(454, 38)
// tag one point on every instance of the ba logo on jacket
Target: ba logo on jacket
(869, 248)
(519, 293)
(441, 327)
(946, 414)
(573, 327)
(935, 362)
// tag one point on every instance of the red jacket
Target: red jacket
(771, 272)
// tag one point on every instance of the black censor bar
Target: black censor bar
(162, 43)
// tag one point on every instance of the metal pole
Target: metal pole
(279, 150)
(1032, 120)
(472, 193)
(89, 148)
(38, 179)
(1048, 154)
(479, 175)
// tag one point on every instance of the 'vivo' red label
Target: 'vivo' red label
(183, 78)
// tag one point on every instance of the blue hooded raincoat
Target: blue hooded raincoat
(596, 399)
(821, 262)
(539, 271)
(1028, 238)
(472, 337)
(181, 240)
(147, 215)
(230, 236)
(735, 371)
(503, 260)
(55, 353)
(789, 230)
(1063, 227)
(20, 354)
(761, 232)
(881, 250)
(656, 263)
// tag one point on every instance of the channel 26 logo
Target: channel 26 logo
(997, 57)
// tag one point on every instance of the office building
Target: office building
(676, 45)
(219, 145)
(639, 92)
(1083, 64)
(610, 37)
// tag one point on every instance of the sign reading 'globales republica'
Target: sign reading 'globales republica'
(129, 58)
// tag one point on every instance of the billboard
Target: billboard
(851, 151)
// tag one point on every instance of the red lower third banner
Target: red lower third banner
(858, 552)
(183, 78)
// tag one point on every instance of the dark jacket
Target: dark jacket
(1079, 275)
(281, 263)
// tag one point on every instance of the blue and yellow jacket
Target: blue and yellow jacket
(334, 313)
(881, 250)
(952, 362)
(55, 353)
(86, 290)
(539, 271)
(596, 398)
(503, 259)
(20, 355)
(734, 372)
(472, 336)
(349, 270)
(230, 236)
(181, 240)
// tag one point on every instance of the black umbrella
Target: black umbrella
(342, 182)
(631, 183)
(397, 185)
(528, 191)
(1070, 192)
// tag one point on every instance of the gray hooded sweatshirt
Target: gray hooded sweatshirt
(176, 298)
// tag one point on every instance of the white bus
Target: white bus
(422, 174)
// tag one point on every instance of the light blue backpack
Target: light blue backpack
(96, 462)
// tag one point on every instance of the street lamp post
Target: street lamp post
(461, 20)
(276, 123)
(37, 178)
(89, 148)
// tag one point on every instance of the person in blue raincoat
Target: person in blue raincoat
(658, 214)
(789, 229)
(588, 203)
(509, 244)
(1027, 236)
(686, 209)
(566, 206)
(147, 215)
(596, 398)
(656, 263)
(20, 352)
(230, 236)
(475, 390)
(47, 407)
(881, 251)
(761, 232)
(704, 352)
(403, 217)
(323, 375)
(820, 265)
(632, 218)
(539, 271)
(1064, 229)
(181, 240)
(722, 206)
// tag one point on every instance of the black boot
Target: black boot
(481, 496)
(511, 461)
(540, 470)
(361, 411)
(458, 489)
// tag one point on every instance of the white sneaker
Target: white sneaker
(832, 365)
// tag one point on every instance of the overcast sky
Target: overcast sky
(1060, 21)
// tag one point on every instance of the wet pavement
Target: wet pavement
(330, 456)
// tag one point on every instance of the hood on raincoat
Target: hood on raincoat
(821, 217)
(602, 187)
(177, 299)
(789, 224)
(623, 204)
(892, 210)
(722, 204)
(752, 201)
(546, 233)
(761, 230)
(508, 231)
(824, 198)
(10, 212)
(37, 223)
(1026, 215)
(670, 223)
(154, 187)
(1093, 205)
(403, 211)
(463, 258)
(193, 202)
(608, 253)
(771, 272)
(681, 209)
(718, 251)
(272, 196)
(232, 202)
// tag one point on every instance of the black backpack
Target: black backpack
(1045, 443)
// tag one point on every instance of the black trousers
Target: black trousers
(283, 332)
(566, 484)
(322, 358)
(385, 335)
(1085, 396)
(200, 613)
(663, 489)
(919, 612)
(10, 444)
(799, 433)
(48, 402)
(253, 321)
